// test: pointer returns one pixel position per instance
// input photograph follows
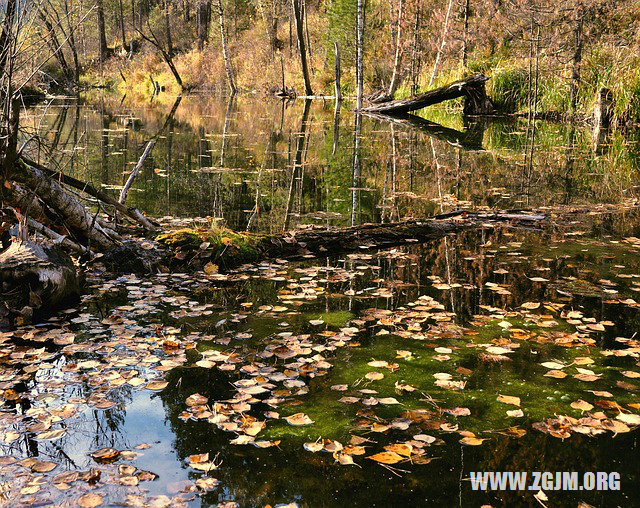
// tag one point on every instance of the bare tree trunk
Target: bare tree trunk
(167, 28)
(102, 36)
(415, 58)
(577, 57)
(359, 50)
(303, 5)
(55, 46)
(153, 40)
(396, 61)
(225, 50)
(443, 42)
(202, 22)
(121, 22)
(72, 42)
(301, 43)
(337, 71)
(465, 33)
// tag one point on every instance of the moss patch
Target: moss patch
(224, 246)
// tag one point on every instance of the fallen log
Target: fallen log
(472, 89)
(132, 213)
(33, 278)
(226, 249)
(75, 216)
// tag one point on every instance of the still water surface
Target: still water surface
(260, 166)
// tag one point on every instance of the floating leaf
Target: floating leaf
(196, 400)
(43, 466)
(472, 440)
(386, 458)
(629, 419)
(314, 447)
(508, 399)
(105, 455)
(299, 419)
(581, 405)
(557, 374)
(400, 448)
(156, 385)
(89, 500)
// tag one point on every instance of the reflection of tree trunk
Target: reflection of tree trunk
(336, 128)
(298, 162)
(302, 46)
(225, 129)
(356, 168)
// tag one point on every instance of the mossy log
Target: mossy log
(35, 278)
(228, 249)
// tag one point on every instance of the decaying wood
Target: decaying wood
(132, 213)
(472, 89)
(35, 276)
(183, 246)
(70, 210)
(134, 172)
(331, 241)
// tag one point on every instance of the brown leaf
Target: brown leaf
(299, 419)
(89, 500)
(105, 455)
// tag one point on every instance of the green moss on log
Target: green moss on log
(226, 247)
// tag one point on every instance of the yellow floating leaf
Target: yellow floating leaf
(400, 448)
(386, 457)
(472, 441)
(508, 399)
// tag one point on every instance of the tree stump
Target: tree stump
(35, 279)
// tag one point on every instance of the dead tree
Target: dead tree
(166, 56)
(472, 89)
(297, 13)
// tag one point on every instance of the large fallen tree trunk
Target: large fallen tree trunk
(472, 89)
(227, 249)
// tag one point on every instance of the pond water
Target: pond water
(369, 379)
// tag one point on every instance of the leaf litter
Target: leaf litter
(138, 342)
